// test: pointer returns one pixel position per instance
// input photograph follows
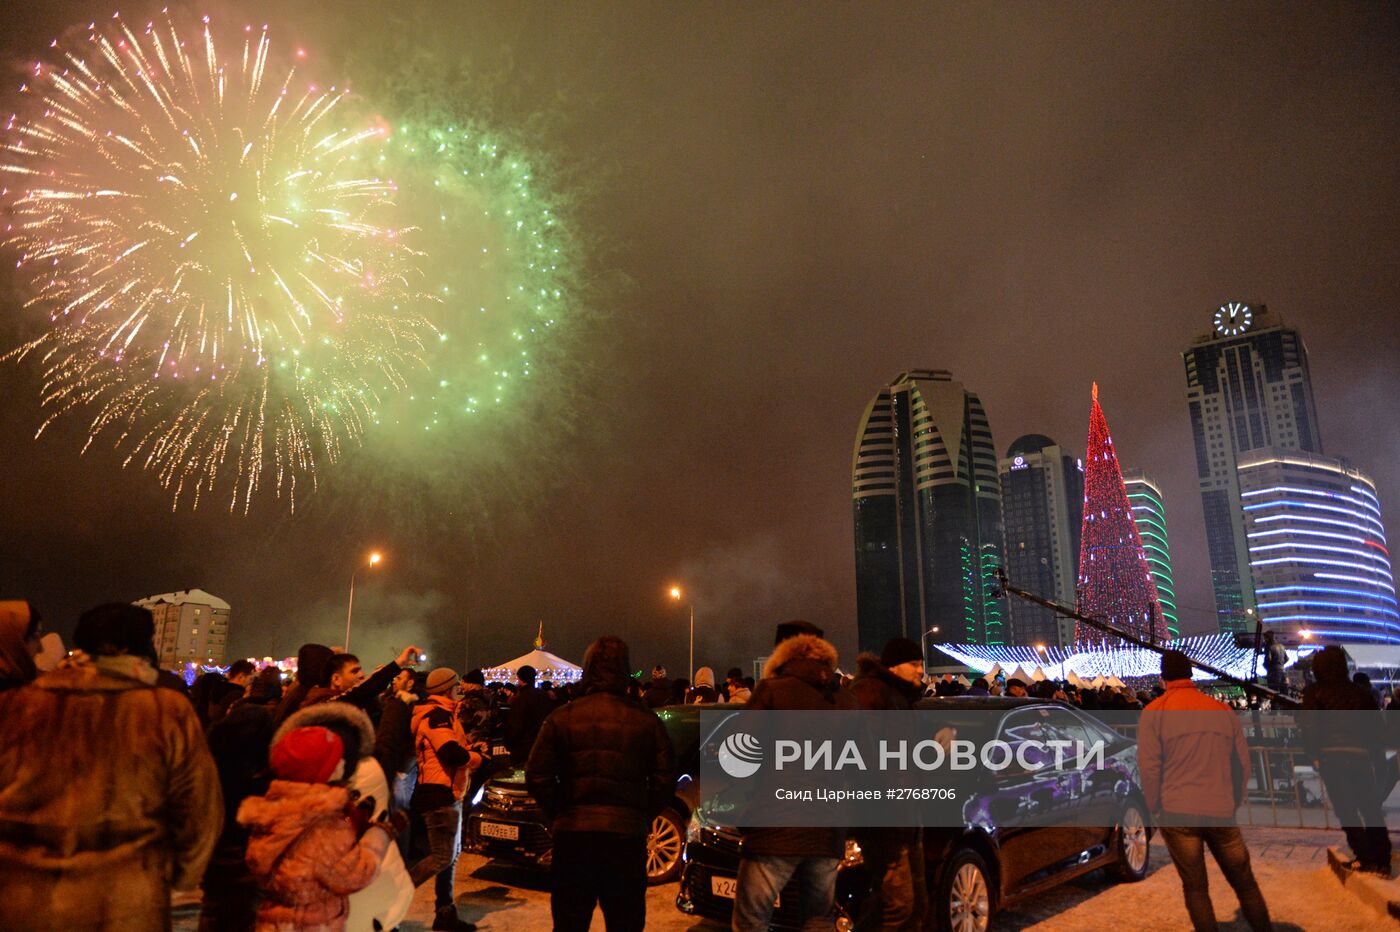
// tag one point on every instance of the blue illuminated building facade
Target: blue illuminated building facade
(1318, 557)
(1247, 389)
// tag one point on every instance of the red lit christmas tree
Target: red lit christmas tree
(1115, 583)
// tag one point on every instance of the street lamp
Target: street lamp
(676, 595)
(375, 558)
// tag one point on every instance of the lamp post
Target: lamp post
(690, 670)
(374, 560)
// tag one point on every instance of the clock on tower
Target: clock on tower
(1233, 318)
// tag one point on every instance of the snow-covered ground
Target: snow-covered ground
(1291, 865)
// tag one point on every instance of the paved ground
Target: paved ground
(1291, 865)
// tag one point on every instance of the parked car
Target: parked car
(990, 861)
(507, 823)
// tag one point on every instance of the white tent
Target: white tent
(1038, 674)
(992, 673)
(547, 667)
(1098, 682)
(1115, 682)
(963, 680)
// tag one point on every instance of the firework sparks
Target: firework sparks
(225, 292)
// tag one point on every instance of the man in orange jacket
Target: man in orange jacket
(1194, 764)
(445, 762)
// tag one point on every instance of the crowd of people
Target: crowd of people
(324, 802)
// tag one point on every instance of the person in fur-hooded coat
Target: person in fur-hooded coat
(304, 848)
(388, 897)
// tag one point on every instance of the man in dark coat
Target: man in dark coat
(1346, 750)
(311, 669)
(602, 769)
(239, 743)
(800, 674)
(658, 689)
(528, 708)
(893, 681)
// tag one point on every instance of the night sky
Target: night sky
(785, 206)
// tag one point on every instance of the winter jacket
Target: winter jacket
(657, 693)
(363, 696)
(528, 709)
(445, 760)
(704, 688)
(108, 798)
(388, 896)
(239, 745)
(307, 856)
(602, 763)
(799, 674)
(1334, 692)
(877, 689)
(1192, 755)
(311, 666)
(16, 662)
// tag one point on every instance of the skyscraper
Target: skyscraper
(1042, 500)
(1247, 388)
(1150, 516)
(1115, 584)
(1317, 548)
(927, 503)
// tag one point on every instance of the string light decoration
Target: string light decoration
(1115, 581)
(1125, 661)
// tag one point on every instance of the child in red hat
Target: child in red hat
(303, 848)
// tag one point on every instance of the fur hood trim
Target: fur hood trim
(331, 714)
(801, 647)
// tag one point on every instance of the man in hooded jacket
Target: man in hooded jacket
(602, 768)
(1347, 751)
(799, 674)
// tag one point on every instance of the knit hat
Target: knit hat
(900, 650)
(1176, 666)
(307, 755)
(440, 681)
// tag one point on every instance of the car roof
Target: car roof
(990, 703)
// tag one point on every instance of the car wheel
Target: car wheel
(664, 844)
(965, 900)
(1132, 845)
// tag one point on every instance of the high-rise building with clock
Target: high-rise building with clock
(1247, 388)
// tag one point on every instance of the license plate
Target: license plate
(724, 886)
(497, 830)
(727, 887)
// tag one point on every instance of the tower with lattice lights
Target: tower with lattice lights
(1115, 581)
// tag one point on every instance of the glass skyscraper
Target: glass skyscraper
(1247, 389)
(1317, 549)
(927, 504)
(1150, 516)
(1042, 494)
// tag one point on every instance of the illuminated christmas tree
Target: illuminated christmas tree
(1115, 582)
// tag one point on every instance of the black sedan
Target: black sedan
(991, 861)
(507, 823)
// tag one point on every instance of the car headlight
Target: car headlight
(853, 856)
(476, 800)
(692, 829)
